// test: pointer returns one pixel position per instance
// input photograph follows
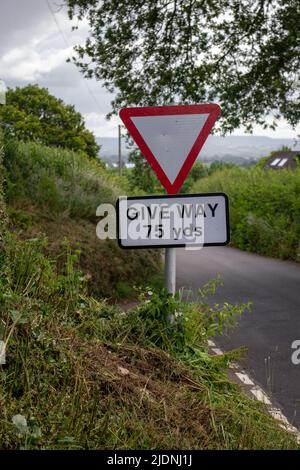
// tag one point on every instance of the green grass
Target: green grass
(54, 193)
(264, 209)
(81, 374)
(57, 180)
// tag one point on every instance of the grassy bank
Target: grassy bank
(54, 193)
(84, 375)
(264, 209)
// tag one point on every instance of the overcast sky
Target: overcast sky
(33, 50)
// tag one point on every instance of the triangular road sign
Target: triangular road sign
(171, 137)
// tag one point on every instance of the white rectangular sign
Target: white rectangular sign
(173, 221)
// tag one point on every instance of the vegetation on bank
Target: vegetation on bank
(54, 193)
(3, 215)
(264, 209)
(81, 374)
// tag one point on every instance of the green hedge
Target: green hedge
(264, 209)
(56, 179)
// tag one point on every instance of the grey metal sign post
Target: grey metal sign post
(170, 270)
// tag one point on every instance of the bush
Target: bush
(54, 193)
(56, 180)
(264, 209)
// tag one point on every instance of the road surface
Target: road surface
(274, 323)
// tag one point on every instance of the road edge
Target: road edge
(254, 391)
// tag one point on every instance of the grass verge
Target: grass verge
(81, 374)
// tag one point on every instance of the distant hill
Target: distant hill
(228, 148)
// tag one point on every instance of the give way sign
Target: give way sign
(171, 137)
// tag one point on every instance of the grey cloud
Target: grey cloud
(18, 18)
(21, 21)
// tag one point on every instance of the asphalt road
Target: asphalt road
(273, 324)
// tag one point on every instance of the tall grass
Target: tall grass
(54, 193)
(264, 209)
(83, 375)
(57, 180)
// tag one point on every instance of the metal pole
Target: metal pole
(170, 270)
(120, 150)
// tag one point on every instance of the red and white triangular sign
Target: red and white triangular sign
(171, 137)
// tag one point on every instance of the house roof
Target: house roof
(282, 159)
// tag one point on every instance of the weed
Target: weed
(81, 374)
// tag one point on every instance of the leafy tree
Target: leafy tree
(262, 162)
(142, 177)
(32, 113)
(284, 148)
(197, 172)
(243, 54)
(219, 166)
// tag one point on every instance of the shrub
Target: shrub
(264, 209)
(31, 113)
(54, 193)
(56, 180)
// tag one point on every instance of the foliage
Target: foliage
(264, 209)
(242, 53)
(54, 193)
(163, 319)
(81, 374)
(219, 165)
(2, 203)
(32, 113)
(176, 325)
(143, 179)
(197, 172)
(57, 180)
(296, 157)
